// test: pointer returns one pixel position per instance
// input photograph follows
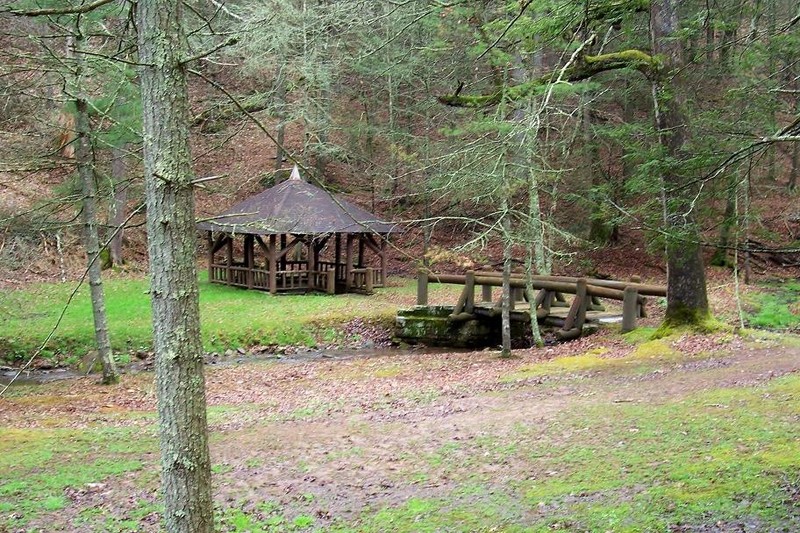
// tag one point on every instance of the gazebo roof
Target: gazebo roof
(297, 207)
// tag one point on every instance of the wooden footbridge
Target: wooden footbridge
(567, 303)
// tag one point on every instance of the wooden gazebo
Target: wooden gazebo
(296, 237)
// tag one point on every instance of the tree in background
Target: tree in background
(76, 24)
(673, 161)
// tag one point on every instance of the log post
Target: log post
(542, 304)
(630, 309)
(640, 302)
(422, 288)
(560, 300)
(595, 304)
(331, 288)
(369, 284)
(577, 313)
(469, 291)
(486, 293)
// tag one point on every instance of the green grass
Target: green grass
(729, 456)
(230, 317)
(38, 465)
(776, 308)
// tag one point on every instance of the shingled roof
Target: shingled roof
(296, 207)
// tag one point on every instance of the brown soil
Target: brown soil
(333, 438)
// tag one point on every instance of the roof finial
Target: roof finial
(295, 174)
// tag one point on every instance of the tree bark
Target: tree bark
(119, 178)
(180, 384)
(687, 301)
(505, 309)
(85, 164)
(280, 135)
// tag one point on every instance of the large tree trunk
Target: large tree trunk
(687, 301)
(85, 164)
(180, 385)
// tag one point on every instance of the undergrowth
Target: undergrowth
(776, 308)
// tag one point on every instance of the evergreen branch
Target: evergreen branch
(222, 7)
(506, 29)
(583, 68)
(85, 8)
(249, 115)
(200, 55)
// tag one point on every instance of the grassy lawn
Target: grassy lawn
(230, 317)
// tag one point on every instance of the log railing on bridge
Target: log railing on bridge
(551, 290)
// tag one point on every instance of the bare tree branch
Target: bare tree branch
(85, 8)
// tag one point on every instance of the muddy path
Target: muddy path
(333, 439)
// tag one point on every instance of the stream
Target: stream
(42, 376)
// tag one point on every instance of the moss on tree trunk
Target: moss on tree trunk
(180, 384)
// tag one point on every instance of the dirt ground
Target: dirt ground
(331, 438)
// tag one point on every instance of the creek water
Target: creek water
(39, 377)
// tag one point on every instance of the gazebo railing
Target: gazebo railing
(296, 277)
(365, 279)
(339, 268)
(324, 281)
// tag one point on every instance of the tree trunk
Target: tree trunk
(535, 256)
(505, 309)
(120, 180)
(505, 301)
(600, 228)
(180, 384)
(720, 257)
(280, 96)
(687, 301)
(795, 170)
(85, 164)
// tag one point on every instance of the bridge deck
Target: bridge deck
(556, 316)
(551, 302)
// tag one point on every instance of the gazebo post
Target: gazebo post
(360, 250)
(273, 265)
(338, 259)
(311, 263)
(229, 273)
(382, 256)
(348, 265)
(210, 244)
(283, 247)
(248, 258)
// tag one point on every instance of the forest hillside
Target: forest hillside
(473, 125)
